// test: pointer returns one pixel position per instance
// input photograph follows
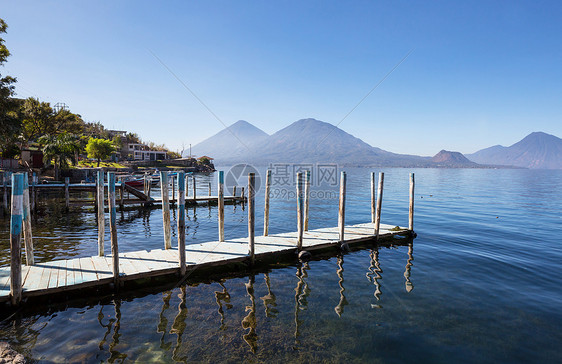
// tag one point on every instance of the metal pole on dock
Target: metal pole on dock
(181, 221)
(27, 235)
(266, 207)
(194, 190)
(300, 210)
(251, 208)
(379, 205)
(16, 222)
(67, 192)
(411, 213)
(373, 199)
(101, 213)
(341, 215)
(166, 210)
(306, 198)
(113, 228)
(221, 205)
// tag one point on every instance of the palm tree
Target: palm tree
(63, 148)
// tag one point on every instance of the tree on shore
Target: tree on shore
(99, 149)
(9, 122)
(61, 148)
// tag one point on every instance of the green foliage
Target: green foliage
(9, 122)
(117, 142)
(62, 148)
(39, 119)
(204, 161)
(99, 149)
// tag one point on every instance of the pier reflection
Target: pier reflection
(343, 301)
(374, 275)
(302, 291)
(269, 300)
(179, 325)
(115, 324)
(163, 320)
(222, 297)
(407, 273)
(249, 322)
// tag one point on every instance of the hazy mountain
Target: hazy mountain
(230, 142)
(314, 141)
(447, 158)
(536, 150)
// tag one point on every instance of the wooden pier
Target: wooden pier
(20, 283)
(75, 274)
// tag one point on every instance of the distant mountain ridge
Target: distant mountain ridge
(537, 150)
(314, 141)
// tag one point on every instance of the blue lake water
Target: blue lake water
(480, 283)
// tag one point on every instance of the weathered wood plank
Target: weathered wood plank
(88, 270)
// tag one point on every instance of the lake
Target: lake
(480, 283)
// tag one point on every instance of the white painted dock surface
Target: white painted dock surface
(74, 274)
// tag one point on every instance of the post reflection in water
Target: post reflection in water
(221, 297)
(179, 325)
(343, 301)
(146, 222)
(249, 322)
(301, 293)
(115, 324)
(269, 300)
(409, 284)
(374, 276)
(163, 322)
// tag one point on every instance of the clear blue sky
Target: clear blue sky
(481, 73)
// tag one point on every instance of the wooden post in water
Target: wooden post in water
(5, 188)
(242, 194)
(181, 221)
(379, 205)
(306, 198)
(16, 223)
(173, 180)
(33, 195)
(300, 211)
(100, 211)
(148, 187)
(145, 178)
(194, 190)
(186, 187)
(233, 191)
(266, 207)
(251, 209)
(27, 236)
(67, 192)
(341, 215)
(373, 199)
(210, 189)
(411, 214)
(122, 195)
(113, 228)
(221, 205)
(166, 210)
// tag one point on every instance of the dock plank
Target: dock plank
(88, 270)
(33, 277)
